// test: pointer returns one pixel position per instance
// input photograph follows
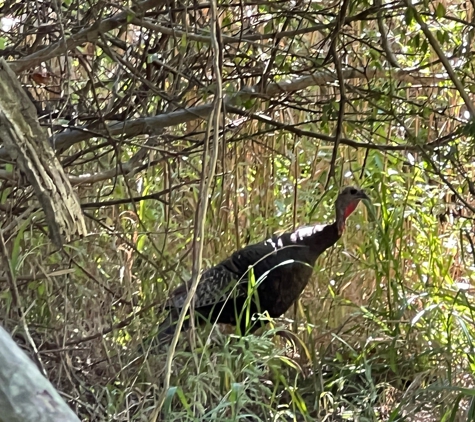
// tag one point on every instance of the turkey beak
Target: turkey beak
(362, 195)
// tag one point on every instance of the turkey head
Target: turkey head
(346, 203)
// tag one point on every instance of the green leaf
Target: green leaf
(425, 46)
(409, 16)
(183, 42)
(168, 399)
(440, 10)
(440, 36)
(130, 17)
(41, 289)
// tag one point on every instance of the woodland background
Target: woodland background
(315, 95)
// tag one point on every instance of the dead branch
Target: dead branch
(86, 35)
(150, 125)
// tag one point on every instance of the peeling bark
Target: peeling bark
(28, 146)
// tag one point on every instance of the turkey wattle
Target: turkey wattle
(281, 267)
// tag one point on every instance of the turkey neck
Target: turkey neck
(317, 238)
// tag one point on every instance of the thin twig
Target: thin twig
(26, 278)
(122, 324)
(443, 58)
(157, 196)
(340, 20)
(17, 299)
(261, 117)
(391, 58)
(341, 113)
(206, 180)
(86, 35)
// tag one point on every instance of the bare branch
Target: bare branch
(345, 141)
(136, 127)
(341, 111)
(443, 58)
(86, 35)
(392, 60)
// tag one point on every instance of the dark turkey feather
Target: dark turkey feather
(281, 267)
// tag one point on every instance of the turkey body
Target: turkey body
(281, 267)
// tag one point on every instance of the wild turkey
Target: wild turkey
(281, 267)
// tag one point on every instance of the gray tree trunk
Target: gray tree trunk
(25, 394)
